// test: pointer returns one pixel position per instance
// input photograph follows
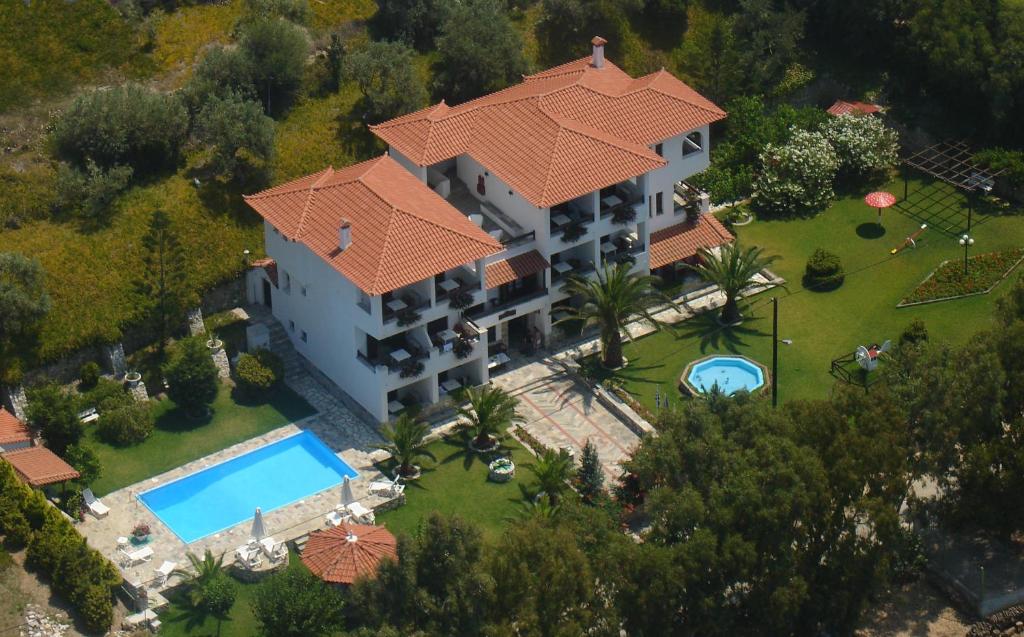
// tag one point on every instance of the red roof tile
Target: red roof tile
(269, 266)
(508, 270)
(686, 239)
(38, 466)
(561, 133)
(401, 230)
(842, 107)
(12, 430)
(334, 556)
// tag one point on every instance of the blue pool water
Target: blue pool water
(223, 495)
(732, 373)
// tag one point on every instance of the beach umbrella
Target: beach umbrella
(341, 554)
(258, 531)
(880, 199)
(346, 492)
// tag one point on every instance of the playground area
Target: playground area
(825, 325)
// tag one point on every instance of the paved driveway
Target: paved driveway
(560, 413)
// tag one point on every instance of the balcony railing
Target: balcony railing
(578, 270)
(506, 305)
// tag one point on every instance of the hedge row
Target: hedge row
(78, 573)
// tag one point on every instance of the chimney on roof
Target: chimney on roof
(597, 61)
(344, 235)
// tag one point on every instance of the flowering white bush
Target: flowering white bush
(864, 144)
(796, 177)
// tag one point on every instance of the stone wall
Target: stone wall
(1005, 622)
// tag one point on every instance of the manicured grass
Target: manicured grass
(179, 439)
(826, 325)
(181, 619)
(457, 485)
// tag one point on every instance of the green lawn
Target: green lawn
(178, 439)
(826, 325)
(457, 485)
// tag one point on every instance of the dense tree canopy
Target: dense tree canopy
(239, 139)
(386, 75)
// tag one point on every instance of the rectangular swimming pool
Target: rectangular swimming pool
(223, 495)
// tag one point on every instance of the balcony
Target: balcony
(458, 289)
(506, 304)
(401, 355)
(619, 201)
(562, 271)
(689, 200)
(621, 248)
(404, 306)
(459, 340)
(487, 216)
(569, 221)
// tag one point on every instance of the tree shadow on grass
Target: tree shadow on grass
(871, 230)
(192, 618)
(717, 337)
(461, 451)
(354, 133)
(177, 421)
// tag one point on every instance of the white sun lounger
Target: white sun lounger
(132, 558)
(335, 518)
(164, 571)
(98, 508)
(273, 549)
(360, 514)
(387, 488)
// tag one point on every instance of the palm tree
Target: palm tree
(490, 412)
(405, 443)
(203, 572)
(552, 470)
(731, 268)
(610, 301)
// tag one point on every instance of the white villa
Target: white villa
(405, 276)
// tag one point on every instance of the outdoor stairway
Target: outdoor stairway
(281, 345)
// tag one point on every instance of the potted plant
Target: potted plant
(132, 378)
(215, 345)
(460, 299)
(411, 369)
(572, 232)
(624, 215)
(140, 534)
(407, 316)
(462, 348)
(501, 470)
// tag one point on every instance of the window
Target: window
(287, 283)
(693, 143)
(303, 290)
(291, 325)
(659, 207)
(304, 337)
(658, 149)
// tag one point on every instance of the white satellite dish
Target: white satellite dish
(863, 357)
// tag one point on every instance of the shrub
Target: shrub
(53, 411)
(95, 608)
(192, 376)
(916, 332)
(462, 348)
(411, 369)
(796, 177)
(88, 375)
(624, 215)
(824, 271)
(865, 146)
(107, 395)
(460, 299)
(573, 231)
(221, 73)
(590, 477)
(407, 316)
(1009, 161)
(276, 51)
(89, 194)
(85, 461)
(296, 11)
(219, 595)
(239, 139)
(128, 125)
(72, 503)
(259, 372)
(128, 425)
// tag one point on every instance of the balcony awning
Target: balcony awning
(508, 270)
(686, 239)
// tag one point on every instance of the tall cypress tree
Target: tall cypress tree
(164, 281)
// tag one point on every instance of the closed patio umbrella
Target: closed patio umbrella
(346, 492)
(258, 531)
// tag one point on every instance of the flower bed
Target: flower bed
(984, 271)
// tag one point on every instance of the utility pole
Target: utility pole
(775, 351)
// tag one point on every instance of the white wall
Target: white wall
(524, 213)
(419, 171)
(679, 168)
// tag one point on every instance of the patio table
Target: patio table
(396, 305)
(394, 407)
(450, 385)
(560, 220)
(448, 285)
(561, 267)
(611, 201)
(400, 355)
(608, 248)
(447, 335)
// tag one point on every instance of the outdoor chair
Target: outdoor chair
(360, 514)
(163, 572)
(95, 506)
(131, 558)
(387, 488)
(335, 518)
(273, 549)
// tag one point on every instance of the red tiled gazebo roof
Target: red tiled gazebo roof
(38, 466)
(686, 239)
(347, 552)
(12, 430)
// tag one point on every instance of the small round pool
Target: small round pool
(730, 373)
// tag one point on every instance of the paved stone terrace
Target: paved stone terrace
(286, 523)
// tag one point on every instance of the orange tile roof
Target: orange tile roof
(842, 107)
(508, 270)
(12, 430)
(686, 239)
(38, 466)
(401, 230)
(269, 266)
(560, 133)
(334, 557)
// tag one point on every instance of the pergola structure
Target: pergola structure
(950, 162)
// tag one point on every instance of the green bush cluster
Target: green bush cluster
(127, 425)
(824, 271)
(259, 372)
(77, 573)
(88, 375)
(192, 376)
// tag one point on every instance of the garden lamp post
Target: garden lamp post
(966, 241)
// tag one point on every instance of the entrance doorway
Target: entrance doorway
(267, 299)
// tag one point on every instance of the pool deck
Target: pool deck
(286, 523)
